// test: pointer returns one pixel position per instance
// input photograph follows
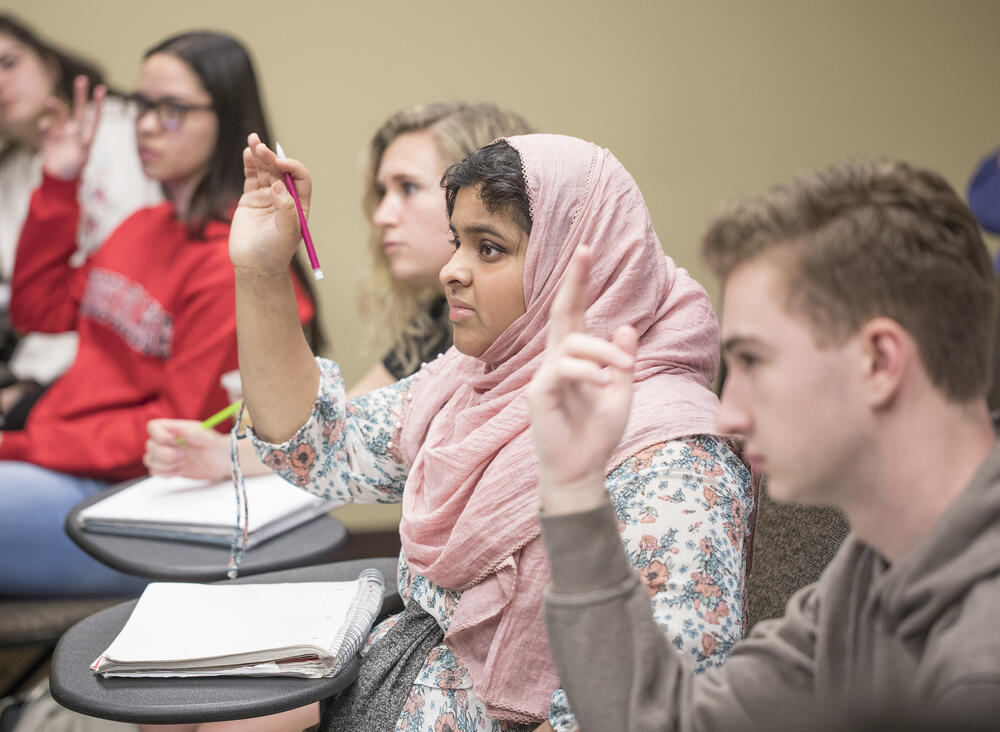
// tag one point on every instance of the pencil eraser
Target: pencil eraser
(318, 274)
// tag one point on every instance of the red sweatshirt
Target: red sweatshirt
(155, 311)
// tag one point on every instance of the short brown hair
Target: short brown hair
(881, 238)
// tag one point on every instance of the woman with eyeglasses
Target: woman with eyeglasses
(153, 306)
(112, 186)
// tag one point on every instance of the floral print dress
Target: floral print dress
(681, 505)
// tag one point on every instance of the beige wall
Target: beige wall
(700, 101)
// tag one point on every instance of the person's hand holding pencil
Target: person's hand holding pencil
(182, 447)
(191, 449)
(278, 371)
(266, 228)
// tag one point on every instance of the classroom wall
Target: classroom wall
(700, 101)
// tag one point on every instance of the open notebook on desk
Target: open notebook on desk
(201, 510)
(309, 629)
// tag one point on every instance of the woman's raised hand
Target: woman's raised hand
(67, 134)
(265, 230)
(579, 399)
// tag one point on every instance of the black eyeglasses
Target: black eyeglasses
(169, 112)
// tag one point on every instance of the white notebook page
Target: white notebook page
(178, 621)
(200, 502)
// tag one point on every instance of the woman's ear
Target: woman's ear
(887, 350)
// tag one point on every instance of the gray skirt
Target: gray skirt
(375, 701)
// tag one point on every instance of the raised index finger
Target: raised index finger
(568, 312)
(89, 129)
(81, 93)
(263, 162)
(249, 171)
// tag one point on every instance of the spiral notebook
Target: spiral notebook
(307, 629)
(201, 510)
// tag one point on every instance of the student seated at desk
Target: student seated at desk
(858, 316)
(153, 306)
(112, 186)
(409, 244)
(453, 441)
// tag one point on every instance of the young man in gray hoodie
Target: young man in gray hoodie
(858, 316)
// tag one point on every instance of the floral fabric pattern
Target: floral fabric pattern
(344, 450)
(681, 508)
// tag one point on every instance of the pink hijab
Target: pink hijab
(470, 504)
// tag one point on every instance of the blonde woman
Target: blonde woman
(409, 244)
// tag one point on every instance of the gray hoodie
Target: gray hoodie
(921, 637)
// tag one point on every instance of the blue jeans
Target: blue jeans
(37, 558)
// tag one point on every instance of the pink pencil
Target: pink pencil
(306, 237)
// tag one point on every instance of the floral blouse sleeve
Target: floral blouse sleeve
(345, 449)
(682, 508)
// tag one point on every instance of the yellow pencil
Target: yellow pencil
(218, 417)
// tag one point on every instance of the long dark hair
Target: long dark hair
(69, 66)
(226, 71)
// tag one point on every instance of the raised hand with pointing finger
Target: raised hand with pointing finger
(68, 133)
(265, 229)
(579, 399)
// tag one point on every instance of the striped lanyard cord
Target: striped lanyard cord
(238, 548)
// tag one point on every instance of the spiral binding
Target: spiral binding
(361, 616)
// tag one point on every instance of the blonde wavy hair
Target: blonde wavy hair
(459, 129)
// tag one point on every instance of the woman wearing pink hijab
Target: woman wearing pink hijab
(454, 444)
